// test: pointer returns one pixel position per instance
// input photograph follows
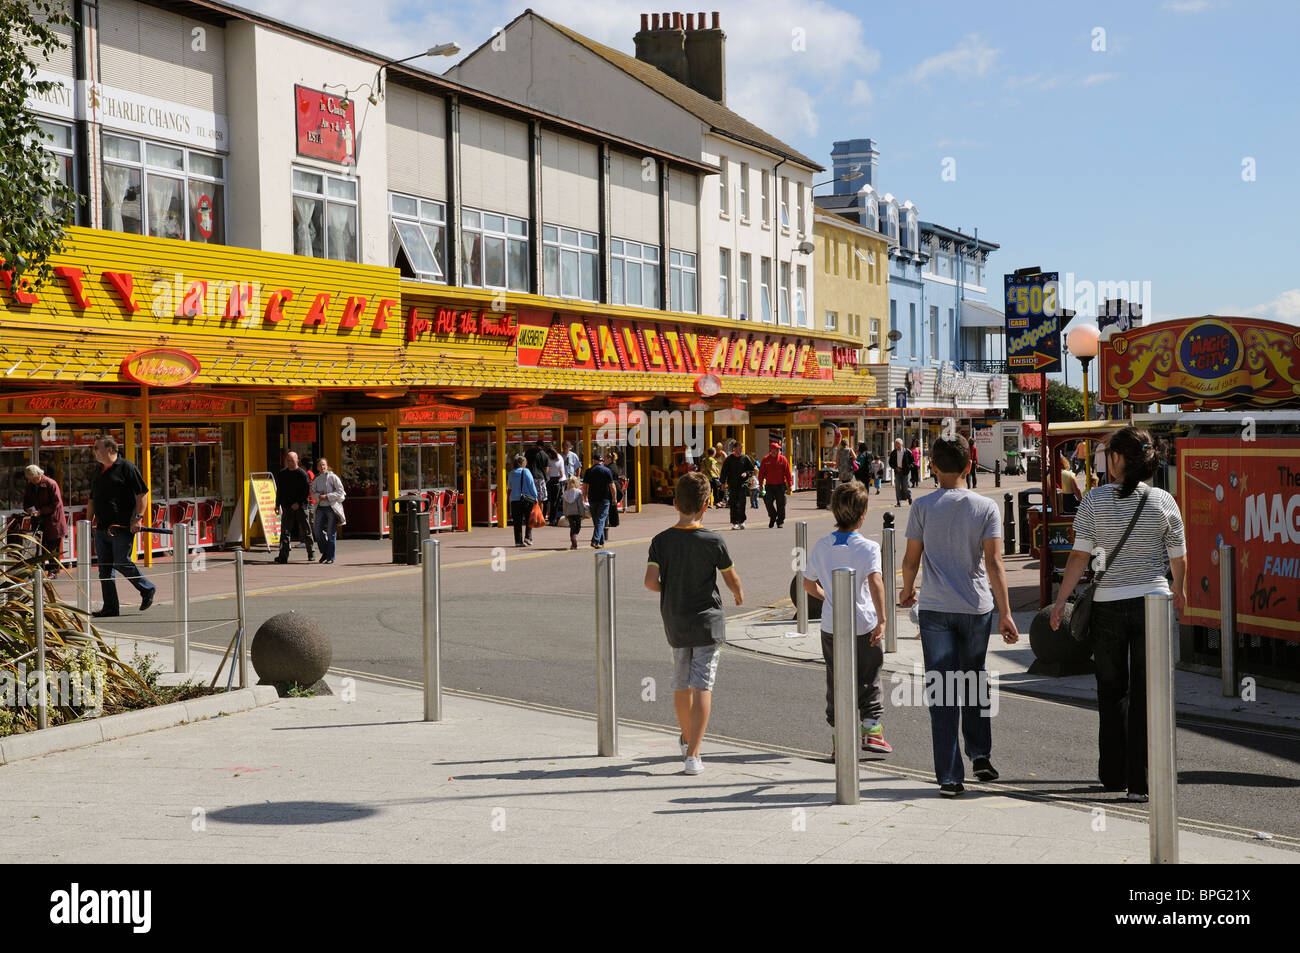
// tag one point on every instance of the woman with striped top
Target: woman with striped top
(1118, 621)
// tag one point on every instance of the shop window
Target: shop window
(495, 249)
(742, 285)
(634, 273)
(324, 215)
(150, 188)
(570, 263)
(724, 282)
(57, 142)
(419, 232)
(682, 277)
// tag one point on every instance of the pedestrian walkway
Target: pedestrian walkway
(329, 779)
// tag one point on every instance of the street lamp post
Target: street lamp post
(1083, 343)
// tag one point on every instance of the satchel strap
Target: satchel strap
(1142, 501)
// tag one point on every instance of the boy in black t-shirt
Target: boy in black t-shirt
(681, 569)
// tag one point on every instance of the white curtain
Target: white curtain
(304, 232)
(163, 193)
(116, 181)
(342, 233)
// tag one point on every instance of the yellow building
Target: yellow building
(851, 288)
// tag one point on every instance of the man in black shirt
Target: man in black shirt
(736, 471)
(292, 488)
(118, 498)
(599, 481)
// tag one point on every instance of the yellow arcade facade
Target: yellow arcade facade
(209, 362)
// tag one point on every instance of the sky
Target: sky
(1153, 142)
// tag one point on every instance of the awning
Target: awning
(976, 314)
(1032, 428)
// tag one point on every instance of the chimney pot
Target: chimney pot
(690, 21)
(654, 21)
(645, 22)
(677, 21)
(699, 18)
(717, 20)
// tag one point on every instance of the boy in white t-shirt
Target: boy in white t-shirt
(846, 548)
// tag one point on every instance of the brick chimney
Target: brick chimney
(681, 46)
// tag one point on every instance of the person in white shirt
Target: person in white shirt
(327, 488)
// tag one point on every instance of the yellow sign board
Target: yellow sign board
(263, 508)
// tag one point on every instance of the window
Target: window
(767, 198)
(785, 202)
(724, 282)
(934, 332)
(744, 191)
(570, 261)
(57, 142)
(164, 191)
(934, 337)
(832, 321)
(495, 249)
(420, 232)
(634, 273)
(858, 259)
(783, 302)
(798, 206)
(742, 290)
(765, 288)
(324, 215)
(893, 314)
(893, 222)
(874, 340)
(911, 309)
(724, 188)
(833, 253)
(681, 281)
(801, 296)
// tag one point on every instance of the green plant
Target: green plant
(1063, 402)
(297, 691)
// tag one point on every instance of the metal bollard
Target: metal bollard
(243, 618)
(845, 656)
(85, 548)
(1008, 526)
(181, 596)
(38, 620)
(1228, 618)
(997, 473)
(1162, 768)
(801, 594)
(889, 570)
(606, 631)
(431, 559)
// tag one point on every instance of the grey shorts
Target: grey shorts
(696, 667)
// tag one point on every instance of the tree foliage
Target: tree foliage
(1063, 402)
(34, 204)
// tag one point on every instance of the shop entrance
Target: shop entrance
(362, 467)
(432, 464)
(483, 476)
(193, 480)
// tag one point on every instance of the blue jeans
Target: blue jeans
(599, 514)
(327, 530)
(956, 642)
(114, 553)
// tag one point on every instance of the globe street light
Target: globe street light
(1083, 342)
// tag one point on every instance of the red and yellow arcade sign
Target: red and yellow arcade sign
(1209, 359)
(593, 343)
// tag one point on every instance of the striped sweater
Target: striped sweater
(1141, 565)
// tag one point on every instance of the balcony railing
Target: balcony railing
(984, 367)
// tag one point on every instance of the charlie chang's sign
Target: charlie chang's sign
(1233, 360)
(597, 344)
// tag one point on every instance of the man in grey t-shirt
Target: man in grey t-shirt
(955, 534)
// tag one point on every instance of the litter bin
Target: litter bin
(1023, 503)
(1033, 468)
(826, 480)
(404, 528)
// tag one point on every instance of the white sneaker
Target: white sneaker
(694, 765)
(734, 526)
(685, 747)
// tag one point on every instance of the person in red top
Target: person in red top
(775, 475)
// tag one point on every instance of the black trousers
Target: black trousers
(292, 520)
(774, 498)
(519, 510)
(1119, 649)
(738, 499)
(871, 658)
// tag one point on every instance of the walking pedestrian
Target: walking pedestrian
(292, 492)
(601, 495)
(877, 472)
(775, 475)
(327, 489)
(956, 533)
(902, 463)
(847, 548)
(522, 489)
(681, 567)
(710, 466)
(972, 481)
(118, 499)
(43, 502)
(720, 491)
(1140, 532)
(572, 462)
(916, 463)
(575, 508)
(555, 467)
(736, 471)
(844, 461)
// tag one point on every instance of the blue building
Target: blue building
(960, 324)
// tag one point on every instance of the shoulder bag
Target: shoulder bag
(1081, 610)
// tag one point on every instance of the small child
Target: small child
(950, 531)
(575, 508)
(846, 548)
(681, 567)
(754, 491)
(878, 472)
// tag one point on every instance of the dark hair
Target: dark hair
(849, 503)
(107, 442)
(550, 452)
(1139, 457)
(692, 493)
(950, 454)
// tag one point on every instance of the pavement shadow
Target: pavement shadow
(764, 797)
(1237, 779)
(638, 767)
(283, 813)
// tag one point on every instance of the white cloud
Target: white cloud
(1186, 6)
(1036, 81)
(1285, 307)
(970, 58)
(861, 95)
(1096, 79)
